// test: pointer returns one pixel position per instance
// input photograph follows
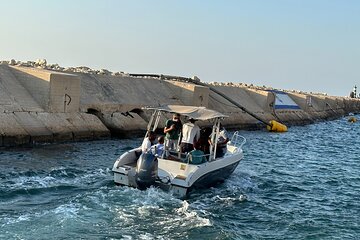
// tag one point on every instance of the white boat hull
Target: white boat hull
(176, 176)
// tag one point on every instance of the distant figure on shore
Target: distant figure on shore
(353, 93)
(148, 142)
(172, 130)
(190, 134)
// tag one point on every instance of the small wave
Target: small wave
(229, 200)
(59, 214)
(190, 217)
(26, 181)
(184, 208)
(12, 220)
(67, 211)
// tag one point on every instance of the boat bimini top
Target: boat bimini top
(198, 113)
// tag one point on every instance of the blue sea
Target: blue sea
(303, 184)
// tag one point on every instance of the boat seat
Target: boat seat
(231, 149)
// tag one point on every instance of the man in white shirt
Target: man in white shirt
(190, 133)
(148, 141)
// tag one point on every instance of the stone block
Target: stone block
(201, 96)
(261, 98)
(98, 129)
(12, 133)
(302, 100)
(58, 125)
(13, 141)
(79, 129)
(34, 127)
(121, 122)
(237, 94)
(14, 91)
(64, 93)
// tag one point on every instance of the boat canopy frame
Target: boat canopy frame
(197, 113)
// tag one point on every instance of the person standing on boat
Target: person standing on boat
(172, 130)
(190, 134)
(221, 142)
(148, 142)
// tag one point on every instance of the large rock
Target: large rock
(41, 62)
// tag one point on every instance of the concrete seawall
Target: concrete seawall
(39, 105)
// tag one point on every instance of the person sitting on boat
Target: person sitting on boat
(172, 130)
(221, 142)
(190, 134)
(196, 156)
(148, 141)
(204, 139)
(158, 149)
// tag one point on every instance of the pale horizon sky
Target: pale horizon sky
(308, 45)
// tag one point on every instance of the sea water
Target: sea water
(303, 184)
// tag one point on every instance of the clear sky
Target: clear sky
(310, 45)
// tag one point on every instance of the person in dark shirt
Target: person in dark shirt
(172, 130)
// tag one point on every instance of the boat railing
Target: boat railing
(236, 142)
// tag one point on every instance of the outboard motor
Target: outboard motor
(146, 170)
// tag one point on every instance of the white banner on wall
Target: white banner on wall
(283, 101)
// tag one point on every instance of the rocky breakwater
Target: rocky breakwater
(38, 105)
(290, 107)
(46, 102)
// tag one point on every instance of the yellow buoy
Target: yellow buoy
(352, 119)
(275, 126)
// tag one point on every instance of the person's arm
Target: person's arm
(182, 131)
(168, 128)
(144, 145)
(148, 145)
(225, 137)
(209, 140)
(197, 135)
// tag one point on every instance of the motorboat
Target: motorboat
(172, 171)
